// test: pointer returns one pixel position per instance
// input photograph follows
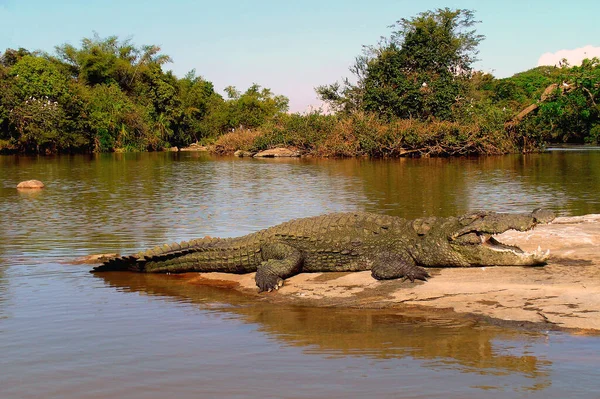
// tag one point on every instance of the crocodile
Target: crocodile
(390, 247)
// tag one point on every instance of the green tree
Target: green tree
(6, 100)
(198, 101)
(36, 115)
(523, 88)
(109, 60)
(114, 121)
(572, 113)
(254, 107)
(420, 71)
(36, 76)
(10, 57)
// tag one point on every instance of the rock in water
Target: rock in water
(30, 184)
(243, 154)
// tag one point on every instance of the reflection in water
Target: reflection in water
(381, 334)
(3, 293)
(567, 182)
(405, 187)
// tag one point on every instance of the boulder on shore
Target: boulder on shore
(277, 153)
(194, 147)
(30, 184)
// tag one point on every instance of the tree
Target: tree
(438, 41)
(420, 71)
(6, 102)
(254, 107)
(232, 93)
(572, 113)
(11, 57)
(199, 102)
(115, 121)
(36, 76)
(109, 60)
(37, 92)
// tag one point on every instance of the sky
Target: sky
(293, 46)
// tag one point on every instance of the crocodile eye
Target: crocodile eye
(421, 227)
(543, 215)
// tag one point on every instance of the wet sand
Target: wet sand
(564, 294)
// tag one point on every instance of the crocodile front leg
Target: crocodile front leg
(280, 261)
(390, 265)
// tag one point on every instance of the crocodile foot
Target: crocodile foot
(267, 281)
(416, 273)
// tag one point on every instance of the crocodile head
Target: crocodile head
(475, 241)
(469, 240)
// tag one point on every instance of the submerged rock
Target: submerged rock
(30, 184)
(242, 154)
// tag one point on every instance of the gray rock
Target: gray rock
(243, 153)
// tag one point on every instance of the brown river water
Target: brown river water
(66, 333)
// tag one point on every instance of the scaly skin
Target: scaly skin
(390, 247)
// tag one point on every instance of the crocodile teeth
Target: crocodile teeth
(539, 253)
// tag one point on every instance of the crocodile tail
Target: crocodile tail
(132, 263)
(137, 262)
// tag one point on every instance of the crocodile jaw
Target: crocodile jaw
(490, 252)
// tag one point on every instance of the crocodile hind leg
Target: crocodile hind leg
(391, 265)
(280, 261)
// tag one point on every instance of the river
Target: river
(67, 333)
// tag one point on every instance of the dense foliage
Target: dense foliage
(415, 92)
(110, 95)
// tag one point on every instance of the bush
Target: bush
(594, 136)
(363, 134)
(303, 132)
(240, 139)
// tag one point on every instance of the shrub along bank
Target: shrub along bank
(366, 135)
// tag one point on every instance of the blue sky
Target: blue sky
(292, 46)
